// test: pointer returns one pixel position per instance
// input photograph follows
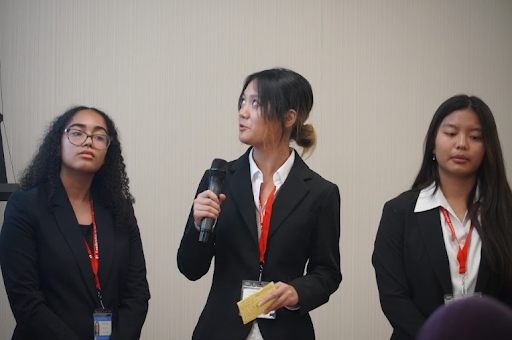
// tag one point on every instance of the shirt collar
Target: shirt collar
(430, 198)
(279, 176)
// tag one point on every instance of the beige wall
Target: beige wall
(170, 72)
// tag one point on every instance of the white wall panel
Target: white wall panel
(170, 72)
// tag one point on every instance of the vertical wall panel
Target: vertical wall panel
(169, 72)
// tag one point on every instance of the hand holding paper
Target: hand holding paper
(249, 308)
(283, 295)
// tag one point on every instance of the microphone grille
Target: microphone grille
(219, 165)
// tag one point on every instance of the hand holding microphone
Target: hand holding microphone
(207, 203)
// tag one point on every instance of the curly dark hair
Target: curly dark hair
(111, 179)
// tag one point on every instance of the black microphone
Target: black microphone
(217, 174)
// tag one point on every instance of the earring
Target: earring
(434, 158)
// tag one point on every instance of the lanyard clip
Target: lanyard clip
(101, 298)
(261, 269)
(463, 278)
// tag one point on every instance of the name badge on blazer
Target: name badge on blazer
(102, 324)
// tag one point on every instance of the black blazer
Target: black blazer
(305, 225)
(48, 275)
(412, 268)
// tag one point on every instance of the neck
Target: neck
(270, 160)
(457, 189)
(77, 185)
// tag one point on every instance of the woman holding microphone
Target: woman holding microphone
(278, 219)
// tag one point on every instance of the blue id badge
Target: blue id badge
(102, 324)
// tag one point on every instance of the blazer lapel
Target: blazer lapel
(105, 230)
(430, 228)
(484, 272)
(241, 187)
(68, 225)
(292, 192)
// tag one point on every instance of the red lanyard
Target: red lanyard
(265, 222)
(462, 254)
(96, 257)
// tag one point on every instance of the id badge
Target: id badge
(250, 287)
(448, 298)
(102, 324)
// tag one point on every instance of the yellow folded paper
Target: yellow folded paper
(249, 308)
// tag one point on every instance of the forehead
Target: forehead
(251, 89)
(88, 119)
(462, 118)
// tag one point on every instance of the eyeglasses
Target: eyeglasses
(77, 137)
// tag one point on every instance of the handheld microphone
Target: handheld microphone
(217, 174)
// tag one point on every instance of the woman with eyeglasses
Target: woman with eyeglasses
(280, 221)
(70, 248)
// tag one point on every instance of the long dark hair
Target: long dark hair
(495, 196)
(281, 90)
(110, 180)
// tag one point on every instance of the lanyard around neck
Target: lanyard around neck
(462, 254)
(265, 223)
(94, 259)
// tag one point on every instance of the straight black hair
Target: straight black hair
(495, 196)
(279, 91)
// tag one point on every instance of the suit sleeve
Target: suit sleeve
(134, 298)
(323, 275)
(194, 257)
(19, 260)
(394, 290)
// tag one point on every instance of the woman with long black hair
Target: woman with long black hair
(450, 236)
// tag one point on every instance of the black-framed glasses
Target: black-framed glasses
(77, 137)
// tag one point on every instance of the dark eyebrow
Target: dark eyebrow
(83, 126)
(478, 129)
(450, 125)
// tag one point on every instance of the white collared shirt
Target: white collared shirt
(256, 179)
(428, 200)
